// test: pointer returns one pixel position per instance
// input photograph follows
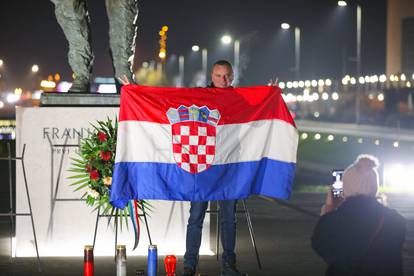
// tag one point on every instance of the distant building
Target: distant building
(400, 36)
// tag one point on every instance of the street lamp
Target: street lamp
(286, 26)
(342, 3)
(358, 54)
(196, 48)
(35, 68)
(358, 35)
(226, 39)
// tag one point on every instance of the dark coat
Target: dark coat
(342, 239)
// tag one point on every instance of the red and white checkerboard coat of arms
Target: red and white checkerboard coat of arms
(193, 131)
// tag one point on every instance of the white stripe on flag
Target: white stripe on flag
(140, 141)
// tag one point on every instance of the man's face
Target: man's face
(222, 76)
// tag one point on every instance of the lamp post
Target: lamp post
(286, 26)
(226, 39)
(358, 53)
(181, 70)
(204, 54)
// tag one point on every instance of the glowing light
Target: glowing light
(285, 26)
(344, 81)
(289, 84)
(316, 114)
(195, 48)
(392, 78)
(226, 39)
(344, 139)
(408, 84)
(403, 77)
(353, 80)
(335, 96)
(380, 97)
(164, 28)
(307, 83)
(342, 3)
(299, 98)
(106, 88)
(145, 64)
(35, 68)
(371, 96)
(281, 85)
(315, 96)
(396, 144)
(328, 82)
(36, 95)
(383, 78)
(57, 77)
(367, 79)
(1, 104)
(12, 98)
(321, 83)
(325, 96)
(162, 55)
(304, 136)
(374, 79)
(295, 84)
(314, 83)
(301, 84)
(361, 80)
(63, 86)
(360, 140)
(1, 62)
(18, 91)
(377, 142)
(331, 137)
(399, 176)
(317, 136)
(47, 84)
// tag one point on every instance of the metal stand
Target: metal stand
(12, 214)
(245, 211)
(99, 215)
(54, 187)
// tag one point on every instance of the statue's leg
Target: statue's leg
(122, 15)
(73, 18)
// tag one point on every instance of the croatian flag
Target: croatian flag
(202, 144)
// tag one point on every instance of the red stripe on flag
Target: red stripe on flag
(236, 105)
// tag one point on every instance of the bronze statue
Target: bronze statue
(73, 18)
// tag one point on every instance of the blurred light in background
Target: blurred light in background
(399, 176)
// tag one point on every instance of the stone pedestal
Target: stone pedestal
(78, 99)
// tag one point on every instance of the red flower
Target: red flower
(94, 175)
(105, 155)
(101, 136)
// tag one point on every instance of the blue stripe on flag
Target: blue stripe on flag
(167, 181)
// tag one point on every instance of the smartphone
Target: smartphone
(337, 188)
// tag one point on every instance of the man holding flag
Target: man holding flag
(204, 144)
(222, 77)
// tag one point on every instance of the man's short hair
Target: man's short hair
(223, 62)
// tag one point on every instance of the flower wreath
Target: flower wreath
(93, 171)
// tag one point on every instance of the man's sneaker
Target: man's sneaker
(188, 271)
(229, 269)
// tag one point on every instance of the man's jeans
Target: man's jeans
(227, 215)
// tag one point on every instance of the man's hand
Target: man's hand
(273, 83)
(124, 80)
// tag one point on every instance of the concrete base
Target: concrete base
(79, 99)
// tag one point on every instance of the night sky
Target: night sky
(29, 34)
